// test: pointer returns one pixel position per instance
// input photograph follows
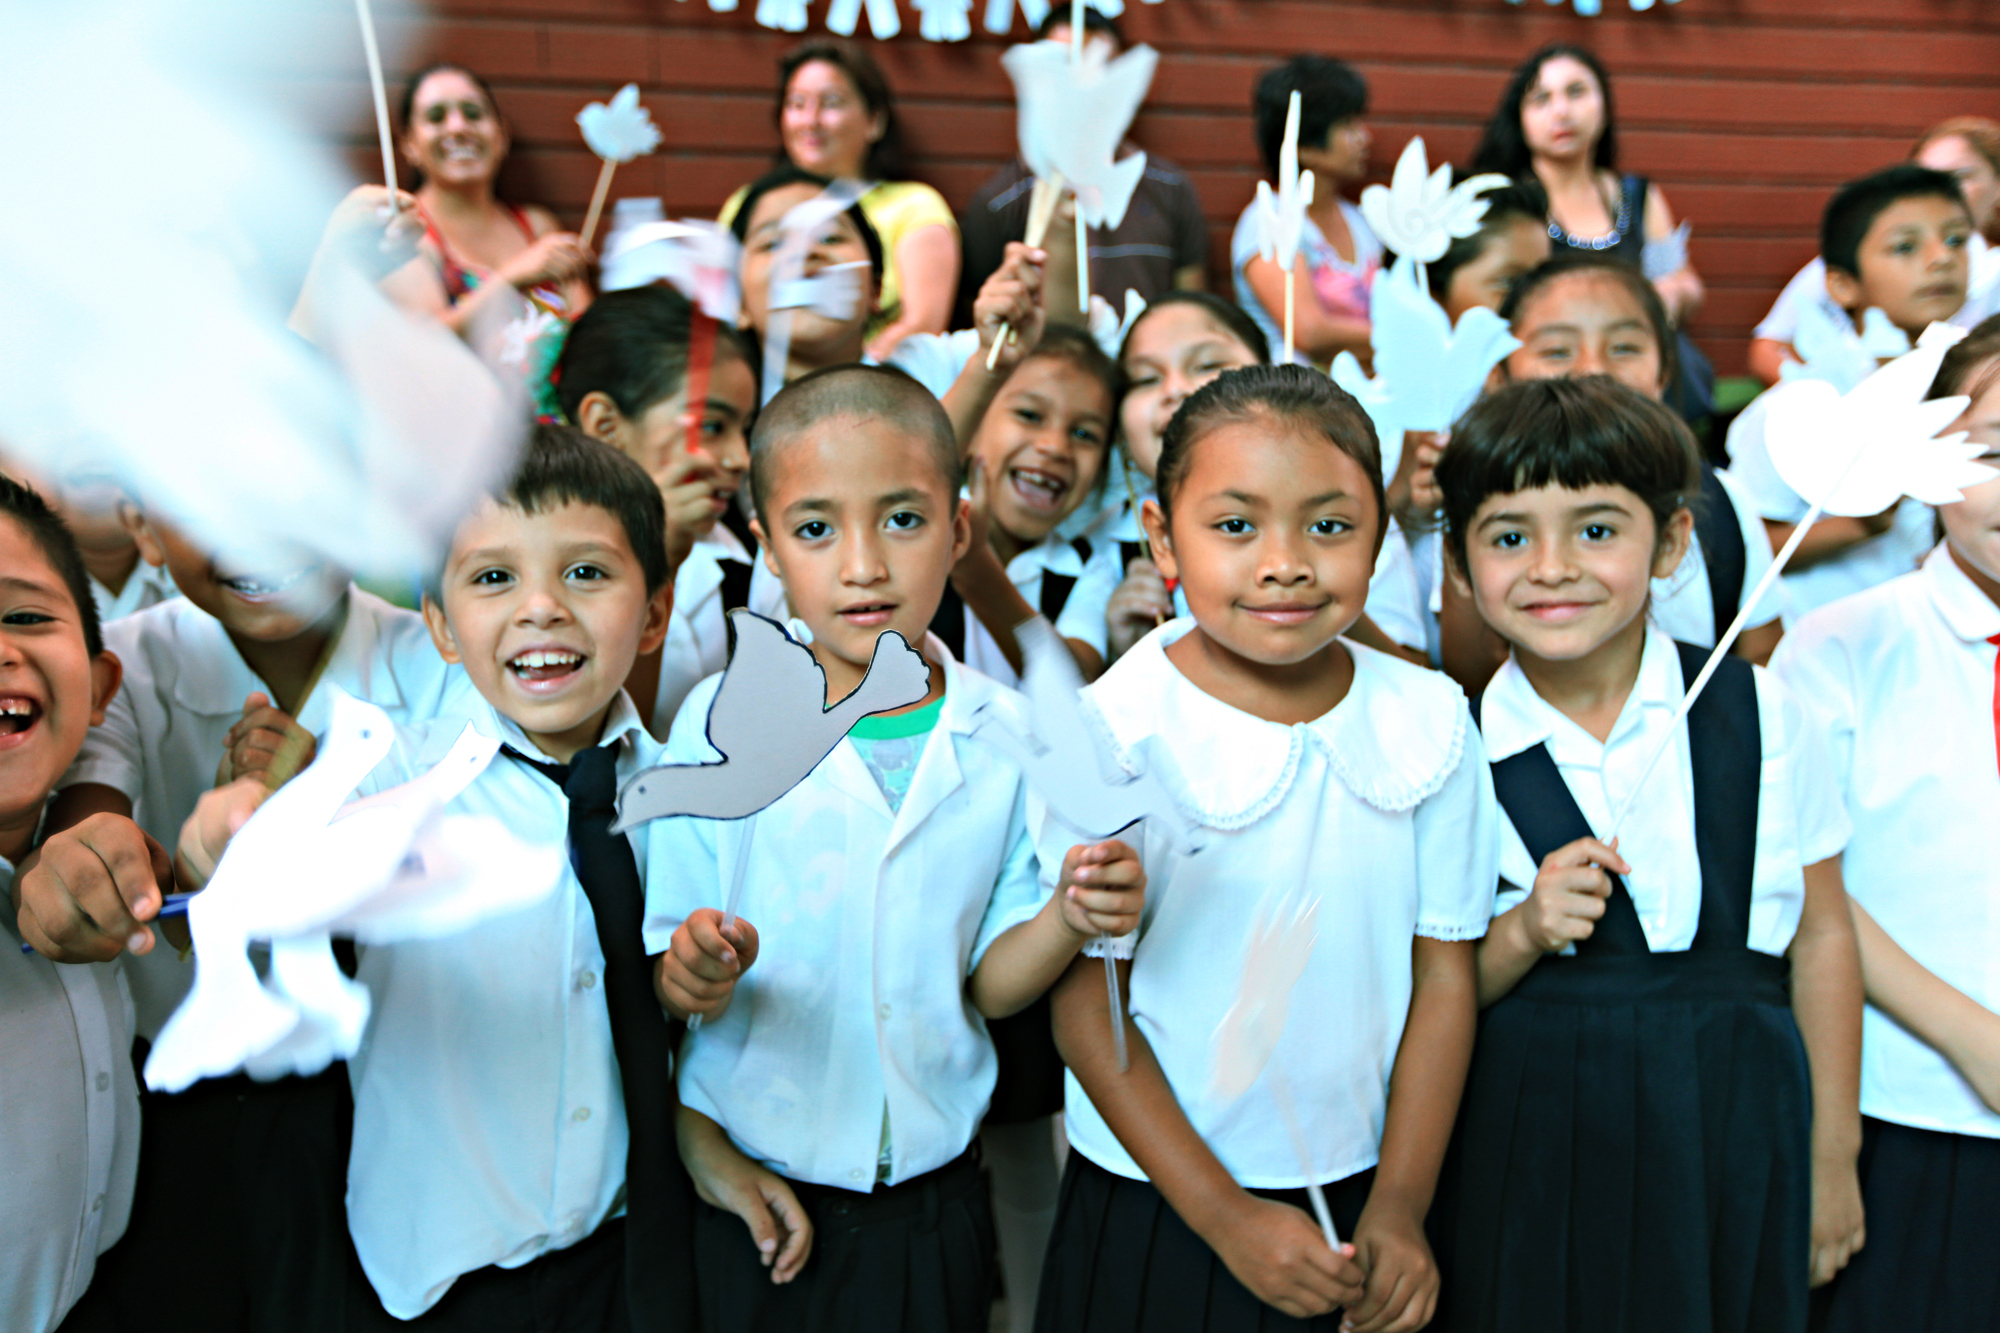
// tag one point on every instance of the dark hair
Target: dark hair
(561, 465)
(1504, 204)
(409, 104)
(1504, 147)
(1572, 433)
(46, 529)
(1077, 348)
(1296, 395)
(1093, 21)
(1234, 320)
(1566, 262)
(1329, 90)
(777, 178)
(1975, 349)
(882, 393)
(632, 346)
(1854, 208)
(885, 155)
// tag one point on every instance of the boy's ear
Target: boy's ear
(1675, 539)
(659, 613)
(599, 418)
(961, 530)
(441, 636)
(764, 551)
(106, 671)
(1845, 289)
(133, 520)
(1454, 569)
(1154, 519)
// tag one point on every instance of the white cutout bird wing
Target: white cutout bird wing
(883, 20)
(945, 20)
(781, 15)
(1107, 327)
(621, 129)
(1426, 372)
(1830, 349)
(1419, 212)
(1073, 117)
(1062, 759)
(700, 260)
(1000, 15)
(835, 291)
(1281, 943)
(788, 269)
(771, 724)
(1281, 217)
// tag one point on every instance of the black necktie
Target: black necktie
(659, 1201)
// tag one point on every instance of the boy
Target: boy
(897, 892)
(489, 1170)
(1896, 241)
(69, 1106)
(241, 1179)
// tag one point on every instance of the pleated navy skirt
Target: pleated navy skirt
(1929, 1266)
(1633, 1153)
(910, 1258)
(1121, 1260)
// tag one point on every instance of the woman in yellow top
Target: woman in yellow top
(836, 118)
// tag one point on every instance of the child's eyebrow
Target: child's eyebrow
(1600, 507)
(908, 495)
(35, 586)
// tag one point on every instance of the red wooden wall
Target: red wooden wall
(1746, 111)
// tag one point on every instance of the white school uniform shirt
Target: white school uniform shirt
(69, 1126)
(1890, 555)
(1383, 807)
(1903, 676)
(1982, 294)
(1082, 617)
(698, 632)
(934, 360)
(147, 585)
(184, 686)
(489, 1122)
(1682, 603)
(1799, 816)
(868, 923)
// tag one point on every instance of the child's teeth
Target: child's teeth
(540, 659)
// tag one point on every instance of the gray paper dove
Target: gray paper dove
(771, 723)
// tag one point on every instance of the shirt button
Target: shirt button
(103, 1081)
(587, 980)
(580, 1114)
(97, 1203)
(884, 1013)
(854, 1175)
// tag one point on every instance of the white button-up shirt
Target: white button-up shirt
(869, 921)
(1383, 808)
(162, 737)
(698, 632)
(69, 1126)
(489, 1123)
(1799, 815)
(147, 585)
(1682, 602)
(1903, 676)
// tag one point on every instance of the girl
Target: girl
(1653, 1137)
(1183, 1209)
(624, 378)
(1903, 674)
(1481, 269)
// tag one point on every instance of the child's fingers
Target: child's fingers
(743, 937)
(753, 1207)
(704, 931)
(1385, 1301)
(798, 1232)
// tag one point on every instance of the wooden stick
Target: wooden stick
(1290, 275)
(597, 201)
(1042, 201)
(1076, 32)
(1082, 262)
(381, 98)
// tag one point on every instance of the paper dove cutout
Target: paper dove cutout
(1858, 453)
(795, 233)
(1073, 117)
(1419, 212)
(1831, 350)
(1281, 218)
(1000, 15)
(388, 867)
(1281, 943)
(1426, 372)
(700, 259)
(1108, 328)
(771, 724)
(945, 20)
(883, 20)
(835, 291)
(783, 15)
(620, 130)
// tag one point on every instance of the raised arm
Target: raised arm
(1316, 331)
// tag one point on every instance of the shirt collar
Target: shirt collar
(622, 727)
(1969, 612)
(1513, 717)
(207, 685)
(1050, 556)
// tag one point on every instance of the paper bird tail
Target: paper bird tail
(226, 1017)
(333, 1011)
(1116, 195)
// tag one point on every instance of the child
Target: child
(1585, 314)
(1903, 675)
(1511, 241)
(503, 1065)
(832, 1104)
(1321, 768)
(240, 1180)
(1897, 241)
(1651, 1139)
(1037, 458)
(623, 379)
(70, 1128)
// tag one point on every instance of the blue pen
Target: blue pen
(176, 904)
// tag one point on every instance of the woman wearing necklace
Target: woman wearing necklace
(1555, 123)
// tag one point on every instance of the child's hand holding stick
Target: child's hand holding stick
(1041, 207)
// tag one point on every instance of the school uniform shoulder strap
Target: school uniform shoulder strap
(949, 621)
(1721, 536)
(736, 577)
(1726, 754)
(1056, 588)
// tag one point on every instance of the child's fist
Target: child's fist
(1012, 296)
(1103, 887)
(89, 889)
(216, 818)
(1277, 1251)
(266, 744)
(1570, 893)
(697, 974)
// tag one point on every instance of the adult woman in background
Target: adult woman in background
(836, 118)
(475, 246)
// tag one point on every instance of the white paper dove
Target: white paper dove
(1281, 217)
(620, 130)
(1073, 117)
(1419, 212)
(836, 291)
(781, 15)
(1108, 328)
(1426, 372)
(771, 724)
(945, 20)
(788, 268)
(1831, 350)
(699, 259)
(1000, 15)
(883, 20)
(1281, 943)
